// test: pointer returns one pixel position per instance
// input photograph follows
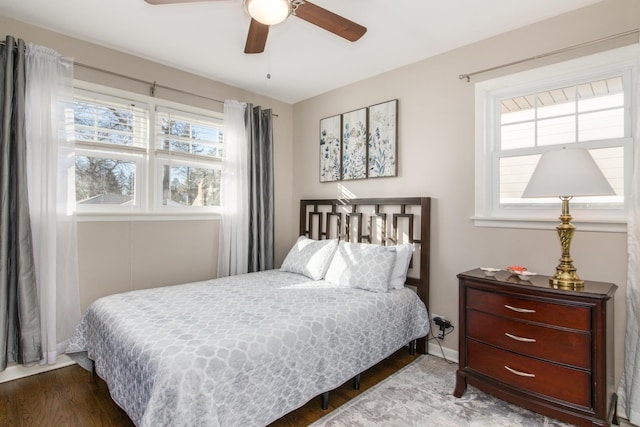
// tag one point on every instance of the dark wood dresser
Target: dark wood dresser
(545, 349)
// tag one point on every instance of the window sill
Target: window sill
(605, 226)
(164, 216)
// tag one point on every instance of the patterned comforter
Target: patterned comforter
(239, 351)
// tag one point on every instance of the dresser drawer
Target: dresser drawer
(571, 348)
(563, 383)
(567, 316)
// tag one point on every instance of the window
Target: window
(186, 145)
(142, 155)
(111, 140)
(584, 103)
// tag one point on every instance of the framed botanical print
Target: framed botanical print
(354, 144)
(382, 159)
(330, 148)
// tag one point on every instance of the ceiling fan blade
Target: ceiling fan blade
(330, 21)
(156, 2)
(257, 37)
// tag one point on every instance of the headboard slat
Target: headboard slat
(328, 234)
(383, 226)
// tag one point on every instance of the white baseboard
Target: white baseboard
(443, 352)
(14, 372)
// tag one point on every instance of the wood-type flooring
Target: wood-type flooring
(72, 396)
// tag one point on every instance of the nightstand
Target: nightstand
(545, 349)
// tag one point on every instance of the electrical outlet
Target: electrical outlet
(434, 316)
(442, 323)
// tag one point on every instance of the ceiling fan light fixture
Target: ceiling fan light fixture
(268, 12)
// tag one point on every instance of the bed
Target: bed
(246, 350)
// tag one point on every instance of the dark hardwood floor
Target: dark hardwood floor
(72, 396)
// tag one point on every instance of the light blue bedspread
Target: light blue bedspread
(239, 351)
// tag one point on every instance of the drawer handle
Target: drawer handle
(519, 310)
(517, 338)
(519, 373)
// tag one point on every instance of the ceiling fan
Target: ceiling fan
(265, 13)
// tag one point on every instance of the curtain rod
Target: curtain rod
(555, 52)
(152, 85)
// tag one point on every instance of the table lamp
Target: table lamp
(567, 173)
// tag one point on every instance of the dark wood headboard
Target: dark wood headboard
(384, 221)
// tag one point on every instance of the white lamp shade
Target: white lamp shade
(567, 173)
(268, 12)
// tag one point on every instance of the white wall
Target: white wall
(436, 156)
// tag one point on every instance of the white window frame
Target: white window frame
(164, 157)
(149, 161)
(135, 153)
(488, 213)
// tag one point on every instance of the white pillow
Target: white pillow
(362, 265)
(310, 257)
(399, 272)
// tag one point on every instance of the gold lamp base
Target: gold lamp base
(567, 280)
(566, 276)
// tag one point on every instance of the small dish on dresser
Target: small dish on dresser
(526, 275)
(515, 269)
(489, 271)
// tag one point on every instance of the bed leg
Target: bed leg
(94, 374)
(324, 400)
(356, 382)
(412, 348)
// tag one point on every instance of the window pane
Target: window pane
(514, 116)
(601, 94)
(186, 133)
(605, 124)
(204, 133)
(206, 150)
(104, 181)
(611, 162)
(110, 122)
(601, 103)
(519, 135)
(559, 130)
(556, 110)
(557, 102)
(190, 186)
(515, 173)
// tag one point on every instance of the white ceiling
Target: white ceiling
(207, 38)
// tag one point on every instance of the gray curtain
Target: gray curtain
(259, 124)
(19, 311)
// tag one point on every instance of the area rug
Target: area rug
(420, 394)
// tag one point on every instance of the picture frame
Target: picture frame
(382, 149)
(360, 144)
(331, 148)
(354, 144)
